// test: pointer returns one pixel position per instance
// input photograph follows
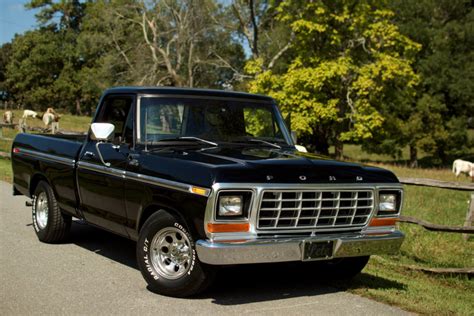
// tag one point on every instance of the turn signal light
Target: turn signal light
(228, 227)
(199, 191)
(383, 221)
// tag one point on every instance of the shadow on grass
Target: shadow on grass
(236, 285)
(368, 281)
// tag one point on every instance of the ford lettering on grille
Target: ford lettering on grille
(318, 209)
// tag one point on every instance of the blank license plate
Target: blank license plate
(318, 250)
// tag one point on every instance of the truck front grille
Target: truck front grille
(315, 209)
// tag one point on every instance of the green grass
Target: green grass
(388, 278)
(5, 169)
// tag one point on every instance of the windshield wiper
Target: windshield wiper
(255, 140)
(186, 138)
(264, 142)
(199, 139)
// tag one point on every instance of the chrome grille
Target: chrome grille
(322, 209)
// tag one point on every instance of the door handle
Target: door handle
(89, 154)
(133, 160)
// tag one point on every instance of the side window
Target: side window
(117, 111)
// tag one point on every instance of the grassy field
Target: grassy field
(67, 122)
(388, 278)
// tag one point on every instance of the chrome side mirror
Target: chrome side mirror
(102, 133)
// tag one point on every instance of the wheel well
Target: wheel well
(151, 209)
(34, 182)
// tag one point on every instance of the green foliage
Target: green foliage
(346, 71)
(5, 53)
(349, 60)
(44, 66)
(435, 120)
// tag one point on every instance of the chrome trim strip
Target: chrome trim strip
(169, 184)
(45, 156)
(244, 98)
(160, 182)
(101, 168)
(180, 96)
(291, 248)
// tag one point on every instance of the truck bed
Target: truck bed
(51, 158)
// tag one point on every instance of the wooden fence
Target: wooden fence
(466, 229)
(23, 127)
(3, 125)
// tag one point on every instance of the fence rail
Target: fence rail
(438, 184)
(3, 125)
(436, 227)
(465, 230)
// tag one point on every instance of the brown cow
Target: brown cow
(8, 117)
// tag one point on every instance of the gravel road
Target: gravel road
(95, 273)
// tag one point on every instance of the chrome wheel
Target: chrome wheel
(41, 211)
(171, 253)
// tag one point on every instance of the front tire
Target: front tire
(50, 224)
(167, 259)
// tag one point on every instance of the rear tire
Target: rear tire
(50, 224)
(167, 258)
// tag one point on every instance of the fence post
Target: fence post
(22, 125)
(469, 216)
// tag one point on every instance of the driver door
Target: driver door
(101, 188)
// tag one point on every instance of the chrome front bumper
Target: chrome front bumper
(291, 249)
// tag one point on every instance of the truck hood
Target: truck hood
(237, 164)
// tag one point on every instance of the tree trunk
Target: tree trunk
(339, 148)
(320, 142)
(78, 107)
(413, 156)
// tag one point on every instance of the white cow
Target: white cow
(48, 119)
(462, 166)
(8, 117)
(29, 113)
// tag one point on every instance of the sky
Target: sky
(14, 18)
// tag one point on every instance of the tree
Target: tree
(348, 59)
(35, 64)
(436, 119)
(43, 70)
(166, 42)
(255, 23)
(65, 18)
(5, 56)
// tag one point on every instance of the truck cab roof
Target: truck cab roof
(188, 92)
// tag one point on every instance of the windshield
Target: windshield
(213, 120)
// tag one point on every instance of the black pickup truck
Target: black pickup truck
(203, 178)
